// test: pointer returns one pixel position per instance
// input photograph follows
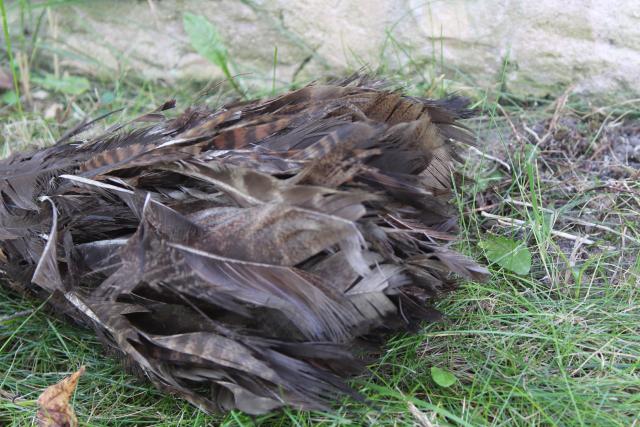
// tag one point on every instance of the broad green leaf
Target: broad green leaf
(442, 377)
(507, 253)
(107, 97)
(205, 39)
(69, 85)
(9, 98)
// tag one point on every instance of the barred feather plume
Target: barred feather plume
(236, 256)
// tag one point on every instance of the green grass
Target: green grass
(558, 346)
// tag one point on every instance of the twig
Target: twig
(560, 104)
(572, 261)
(490, 157)
(512, 221)
(23, 66)
(600, 149)
(15, 315)
(624, 189)
(577, 220)
(526, 204)
(9, 396)
(483, 208)
(511, 125)
(601, 110)
(154, 13)
(421, 418)
(53, 23)
(533, 133)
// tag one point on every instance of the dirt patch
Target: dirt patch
(577, 170)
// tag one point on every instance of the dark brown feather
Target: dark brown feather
(236, 256)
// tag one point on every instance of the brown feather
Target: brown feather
(236, 256)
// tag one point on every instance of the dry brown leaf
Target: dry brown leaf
(53, 404)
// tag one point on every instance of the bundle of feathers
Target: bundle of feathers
(239, 257)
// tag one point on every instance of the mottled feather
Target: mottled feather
(236, 256)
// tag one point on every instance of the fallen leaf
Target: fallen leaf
(9, 98)
(442, 377)
(507, 253)
(206, 40)
(53, 404)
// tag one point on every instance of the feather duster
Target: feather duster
(238, 256)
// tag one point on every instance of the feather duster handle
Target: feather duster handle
(236, 255)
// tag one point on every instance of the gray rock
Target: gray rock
(532, 48)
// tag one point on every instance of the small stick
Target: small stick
(9, 396)
(560, 104)
(154, 13)
(483, 208)
(535, 135)
(577, 220)
(53, 23)
(421, 418)
(490, 157)
(15, 315)
(513, 126)
(512, 221)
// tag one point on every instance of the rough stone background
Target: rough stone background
(532, 47)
